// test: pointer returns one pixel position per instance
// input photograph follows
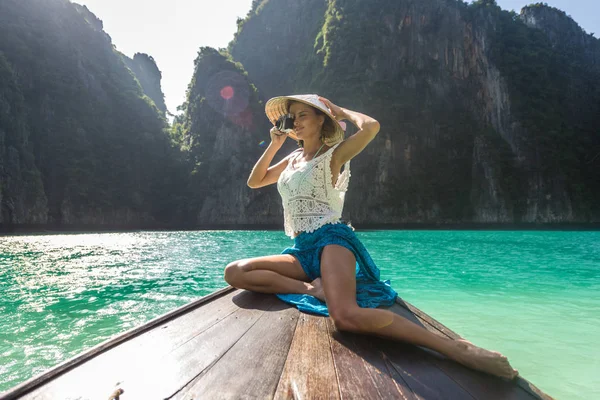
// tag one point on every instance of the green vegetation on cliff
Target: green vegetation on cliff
(220, 131)
(21, 188)
(276, 45)
(149, 76)
(99, 142)
(486, 115)
(449, 81)
(555, 95)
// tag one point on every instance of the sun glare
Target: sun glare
(227, 92)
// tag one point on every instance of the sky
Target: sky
(172, 31)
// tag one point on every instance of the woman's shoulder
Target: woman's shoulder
(334, 150)
(290, 157)
(294, 153)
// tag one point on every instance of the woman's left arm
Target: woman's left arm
(367, 130)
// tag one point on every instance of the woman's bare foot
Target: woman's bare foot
(317, 290)
(480, 359)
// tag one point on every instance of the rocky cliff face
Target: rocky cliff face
(464, 138)
(562, 31)
(276, 45)
(22, 197)
(570, 191)
(224, 134)
(486, 115)
(421, 69)
(80, 142)
(145, 69)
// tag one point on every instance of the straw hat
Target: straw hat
(278, 106)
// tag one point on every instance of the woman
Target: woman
(328, 263)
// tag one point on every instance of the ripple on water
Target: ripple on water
(531, 295)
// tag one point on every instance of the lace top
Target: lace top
(310, 200)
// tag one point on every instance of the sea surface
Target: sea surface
(534, 296)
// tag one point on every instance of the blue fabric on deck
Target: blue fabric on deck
(370, 291)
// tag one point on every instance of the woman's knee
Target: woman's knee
(345, 318)
(233, 273)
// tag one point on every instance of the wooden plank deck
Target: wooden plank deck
(235, 344)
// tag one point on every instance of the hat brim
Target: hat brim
(278, 106)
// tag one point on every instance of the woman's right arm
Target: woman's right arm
(262, 174)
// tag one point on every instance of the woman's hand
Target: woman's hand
(277, 136)
(338, 112)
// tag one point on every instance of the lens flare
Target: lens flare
(262, 143)
(227, 92)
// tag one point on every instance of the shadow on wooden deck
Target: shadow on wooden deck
(236, 344)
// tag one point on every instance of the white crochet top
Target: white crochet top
(309, 198)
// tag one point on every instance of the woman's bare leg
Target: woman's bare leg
(339, 284)
(270, 274)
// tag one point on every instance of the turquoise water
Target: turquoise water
(534, 296)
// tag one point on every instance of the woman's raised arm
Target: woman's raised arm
(262, 174)
(367, 130)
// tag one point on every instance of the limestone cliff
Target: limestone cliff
(562, 31)
(22, 197)
(145, 69)
(486, 115)
(224, 134)
(81, 144)
(475, 106)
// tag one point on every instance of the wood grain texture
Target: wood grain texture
(480, 385)
(145, 331)
(417, 369)
(421, 316)
(251, 369)
(309, 372)
(238, 345)
(361, 369)
(166, 376)
(161, 366)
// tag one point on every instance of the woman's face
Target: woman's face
(307, 123)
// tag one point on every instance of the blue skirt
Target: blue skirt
(371, 292)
